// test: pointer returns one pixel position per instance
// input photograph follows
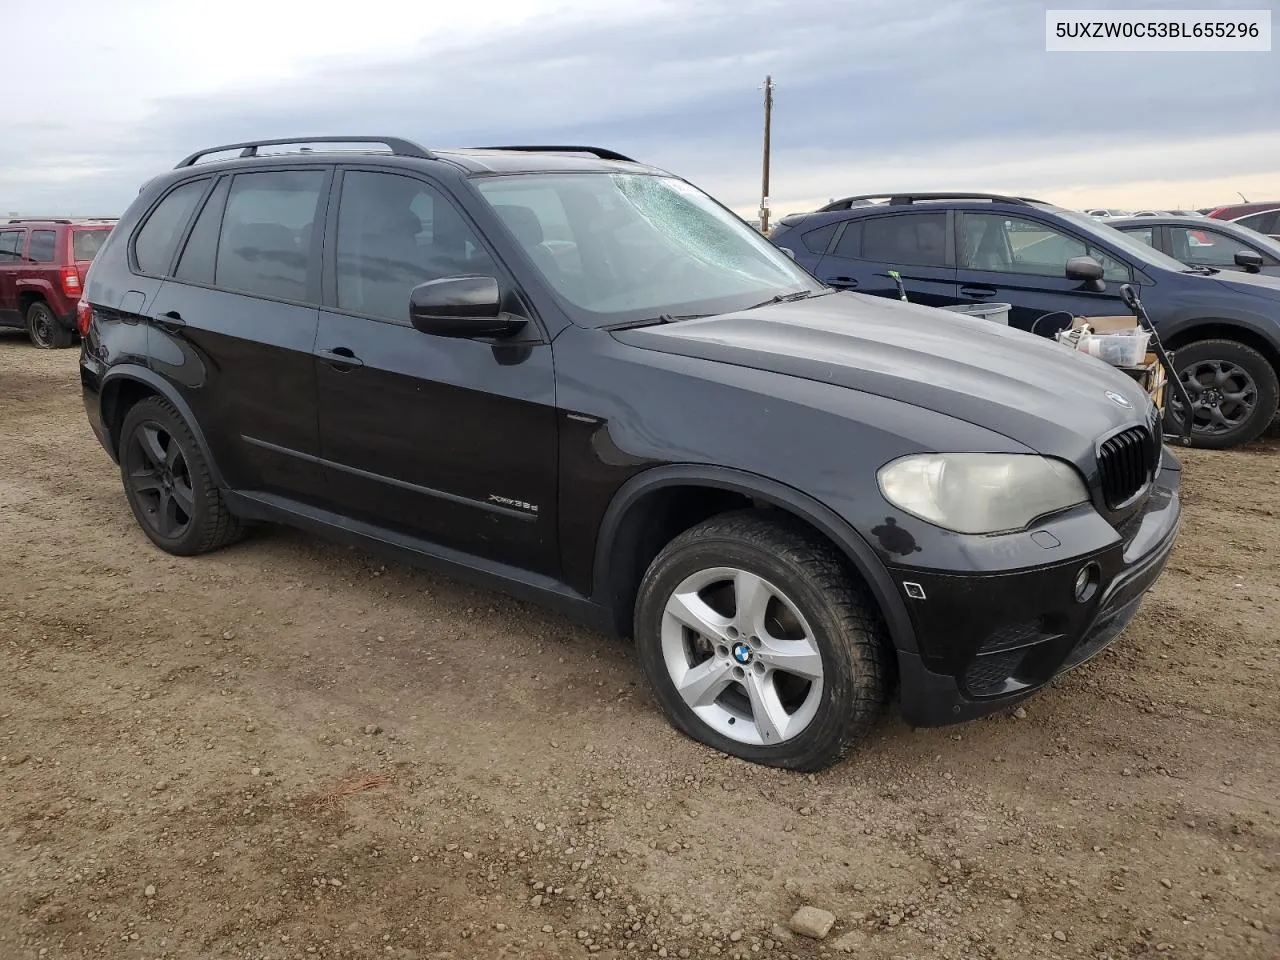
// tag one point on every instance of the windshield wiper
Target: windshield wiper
(784, 298)
(655, 321)
(1202, 270)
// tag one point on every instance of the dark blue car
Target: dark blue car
(970, 248)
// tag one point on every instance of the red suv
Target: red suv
(42, 268)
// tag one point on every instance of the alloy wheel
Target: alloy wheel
(1223, 396)
(160, 480)
(742, 656)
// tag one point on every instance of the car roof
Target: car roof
(1199, 223)
(852, 207)
(102, 223)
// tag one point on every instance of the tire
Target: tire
(810, 595)
(44, 330)
(168, 483)
(1215, 371)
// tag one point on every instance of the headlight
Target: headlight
(980, 492)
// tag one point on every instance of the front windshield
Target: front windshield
(1134, 248)
(626, 247)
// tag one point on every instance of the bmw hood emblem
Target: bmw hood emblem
(1118, 400)
(741, 653)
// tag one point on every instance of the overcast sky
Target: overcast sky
(872, 95)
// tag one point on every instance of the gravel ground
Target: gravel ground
(288, 749)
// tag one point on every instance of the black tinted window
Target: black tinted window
(85, 244)
(919, 239)
(153, 248)
(394, 233)
(850, 242)
(265, 244)
(10, 246)
(1267, 222)
(40, 249)
(198, 257)
(816, 241)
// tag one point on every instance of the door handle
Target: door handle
(341, 358)
(843, 282)
(170, 320)
(978, 293)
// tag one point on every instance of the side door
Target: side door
(450, 440)
(1206, 247)
(233, 325)
(12, 246)
(1022, 261)
(917, 244)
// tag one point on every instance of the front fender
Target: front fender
(847, 540)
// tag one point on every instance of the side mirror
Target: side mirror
(1088, 272)
(1251, 261)
(461, 307)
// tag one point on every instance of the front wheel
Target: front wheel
(43, 328)
(1233, 392)
(757, 642)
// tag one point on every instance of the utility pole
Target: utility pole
(764, 180)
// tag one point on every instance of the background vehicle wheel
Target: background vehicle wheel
(757, 642)
(1233, 392)
(168, 483)
(44, 329)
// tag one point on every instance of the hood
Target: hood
(1258, 284)
(1043, 395)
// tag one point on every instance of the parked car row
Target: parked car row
(945, 249)
(578, 378)
(43, 263)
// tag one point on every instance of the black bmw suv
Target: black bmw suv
(578, 378)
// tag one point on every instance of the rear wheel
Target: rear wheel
(169, 484)
(1233, 392)
(757, 642)
(44, 329)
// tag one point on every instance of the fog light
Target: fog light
(1087, 581)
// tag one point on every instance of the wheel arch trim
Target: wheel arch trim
(118, 375)
(847, 540)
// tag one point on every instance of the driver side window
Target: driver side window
(396, 232)
(1004, 244)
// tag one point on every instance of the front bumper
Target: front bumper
(989, 641)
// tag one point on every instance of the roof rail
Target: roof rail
(40, 220)
(602, 152)
(905, 199)
(249, 148)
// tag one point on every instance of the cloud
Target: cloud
(873, 95)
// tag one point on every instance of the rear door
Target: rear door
(915, 243)
(12, 249)
(234, 326)
(1022, 261)
(451, 440)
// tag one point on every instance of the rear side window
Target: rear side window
(817, 241)
(85, 244)
(918, 239)
(201, 252)
(10, 246)
(154, 247)
(41, 247)
(265, 244)
(1267, 222)
(1142, 233)
(850, 242)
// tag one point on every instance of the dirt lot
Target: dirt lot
(290, 750)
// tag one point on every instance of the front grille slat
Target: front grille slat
(1126, 463)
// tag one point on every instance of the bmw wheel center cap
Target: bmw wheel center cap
(742, 653)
